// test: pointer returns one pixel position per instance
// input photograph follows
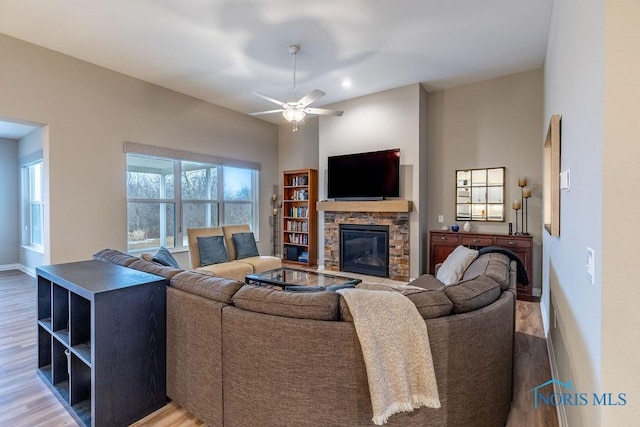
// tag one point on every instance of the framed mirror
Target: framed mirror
(551, 194)
(480, 194)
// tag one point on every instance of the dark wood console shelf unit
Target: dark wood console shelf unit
(442, 243)
(101, 340)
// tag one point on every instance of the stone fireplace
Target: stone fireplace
(383, 213)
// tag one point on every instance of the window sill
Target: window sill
(36, 249)
(147, 251)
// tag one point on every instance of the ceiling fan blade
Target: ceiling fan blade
(268, 98)
(323, 112)
(259, 113)
(311, 97)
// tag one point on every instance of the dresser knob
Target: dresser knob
(511, 243)
(443, 238)
(475, 240)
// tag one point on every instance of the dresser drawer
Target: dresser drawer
(477, 240)
(444, 238)
(513, 242)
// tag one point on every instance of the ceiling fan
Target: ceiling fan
(295, 111)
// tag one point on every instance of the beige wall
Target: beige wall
(572, 306)
(90, 112)
(620, 225)
(298, 150)
(492, 123)
(380, 121)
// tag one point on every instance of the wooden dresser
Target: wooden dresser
(442, 243)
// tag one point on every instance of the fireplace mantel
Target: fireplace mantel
(366, 206)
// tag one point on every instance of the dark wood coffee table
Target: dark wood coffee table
(285, 276)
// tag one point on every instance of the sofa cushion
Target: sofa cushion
(428, 282)
(300, 305)
(215, 288)
(263, 263)
(473, 294)
(493, 265)
(164, 257)
(430, 303)
(114, 257)
(236, 270)
(212, 250)
(245, 245)
(154, 268)
(455, 264)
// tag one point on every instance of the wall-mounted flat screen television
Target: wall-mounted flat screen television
(364, 176)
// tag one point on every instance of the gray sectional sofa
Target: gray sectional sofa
(240, 355)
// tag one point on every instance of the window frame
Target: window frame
(28, 202)
(180, 233)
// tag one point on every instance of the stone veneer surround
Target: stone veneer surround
(398, 223)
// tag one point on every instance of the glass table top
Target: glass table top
(286, 276)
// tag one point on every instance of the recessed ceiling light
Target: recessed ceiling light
(346, 83)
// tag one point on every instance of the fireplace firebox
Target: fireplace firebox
(364, 249)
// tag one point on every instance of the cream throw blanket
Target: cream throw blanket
(396, 351)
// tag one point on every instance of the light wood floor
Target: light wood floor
(26, 401)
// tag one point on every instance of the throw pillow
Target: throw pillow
(164, 257)
(212, 250)
(453, 267)
(245, 245)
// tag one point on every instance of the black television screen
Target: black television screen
(373, 175)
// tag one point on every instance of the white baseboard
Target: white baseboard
(560, 409)
(28, 270)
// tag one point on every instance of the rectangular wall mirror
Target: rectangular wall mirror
(480, 194)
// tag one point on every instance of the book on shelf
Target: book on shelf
(299, 180)
(302, 226)
(298, 239)
(299, 212)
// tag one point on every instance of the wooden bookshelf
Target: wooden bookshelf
(299, 216)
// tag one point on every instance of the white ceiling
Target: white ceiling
(14, 130)
(222, 50)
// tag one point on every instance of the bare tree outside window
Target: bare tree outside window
(205, 195)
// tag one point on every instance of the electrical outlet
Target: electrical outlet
(440, 218)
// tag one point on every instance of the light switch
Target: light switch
(591, 266)
(440, 218)
(565, 180)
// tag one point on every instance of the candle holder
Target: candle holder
(522, 182)
(526, 193)
(274, 221)
(516, 205)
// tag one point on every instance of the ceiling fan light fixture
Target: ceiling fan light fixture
(294, 115)
(295, 111)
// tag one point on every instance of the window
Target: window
(480, 194)
(33, 205)
(166, 196)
